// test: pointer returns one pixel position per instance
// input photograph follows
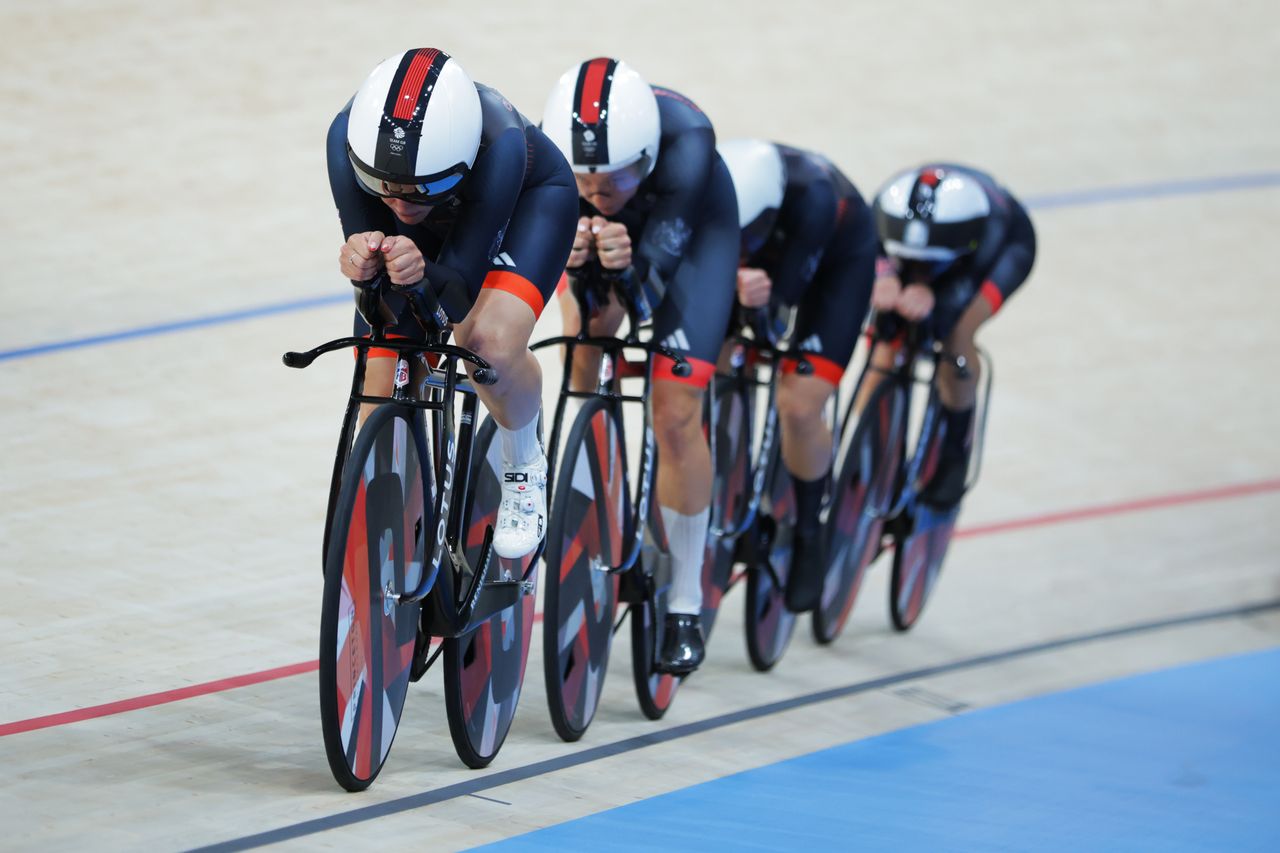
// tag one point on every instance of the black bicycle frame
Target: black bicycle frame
(917, 343)
(447, 613)
(612, 353)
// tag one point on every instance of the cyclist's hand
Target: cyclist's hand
(886, 290)
(361, 256)
(584, 244)
(916, 302)
(754, 287)
(613, 243)
(403, 260)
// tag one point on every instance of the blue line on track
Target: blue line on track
(1051, 201)
(178, 325)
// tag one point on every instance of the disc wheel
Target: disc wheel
(366, 637)
(731, 491)
(769, 624)
(863, 493)
(484, 669)
(584, 541)
(918, 555)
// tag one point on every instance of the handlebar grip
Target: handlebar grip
(804, 367)
(298, 359)
(484, 376)
(682, 369)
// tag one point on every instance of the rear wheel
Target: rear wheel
(648, 590)
(484, 669)
(584, 541)
(864, 492)
(918, 555)
(366, 637)
(654, 690)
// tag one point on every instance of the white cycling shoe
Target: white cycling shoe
(522, 515)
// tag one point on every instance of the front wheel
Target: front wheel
(769, 623)
(864, 492)
(484, 669)
(918, 554)
(584, 542)
(375, 552)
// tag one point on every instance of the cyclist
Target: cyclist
(657, 207)
(809, 242)
(955, 246)
(438, 177)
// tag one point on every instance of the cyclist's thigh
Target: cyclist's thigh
(694, 314)
(1012, 265)
(834, 307)
(537, 240)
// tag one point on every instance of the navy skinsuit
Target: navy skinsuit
(683, 224)
(1006, 252)
(512, 224)
(820, 254)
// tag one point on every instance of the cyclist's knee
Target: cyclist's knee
(801, 398)
(677, 416)
(496, 345)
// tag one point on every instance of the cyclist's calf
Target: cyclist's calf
(958, 388)
(806, 438)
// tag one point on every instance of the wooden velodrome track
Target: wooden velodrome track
(168, 232)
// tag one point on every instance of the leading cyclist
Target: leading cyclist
(436, 176)
(658, 206)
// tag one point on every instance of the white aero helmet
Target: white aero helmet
(414, 128)
(760, 182)
(603, 117)
(933, 213)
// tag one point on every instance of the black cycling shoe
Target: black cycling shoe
(808, 572)
(682, 649)
(946, 487)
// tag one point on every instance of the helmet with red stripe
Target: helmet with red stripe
(933, 213)
(414, 128)
(603, 117)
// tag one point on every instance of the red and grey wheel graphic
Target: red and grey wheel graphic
(917, 559)
(484, 669)
(366, 638)
(588, 514)
(731, 493)
(654, 690)
(864, 492)
(768, 622)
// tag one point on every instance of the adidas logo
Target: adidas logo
(813, 343)
(503, 260)
(677, 340)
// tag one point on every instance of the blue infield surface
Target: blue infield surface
(1183, 759)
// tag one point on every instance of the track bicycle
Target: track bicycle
(409, 571)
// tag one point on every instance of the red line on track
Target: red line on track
(162, 698)
(1102, 510)
(1063, 517)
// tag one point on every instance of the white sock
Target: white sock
(687, 542)
(521, 446)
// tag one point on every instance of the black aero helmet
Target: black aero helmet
(933, 213)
